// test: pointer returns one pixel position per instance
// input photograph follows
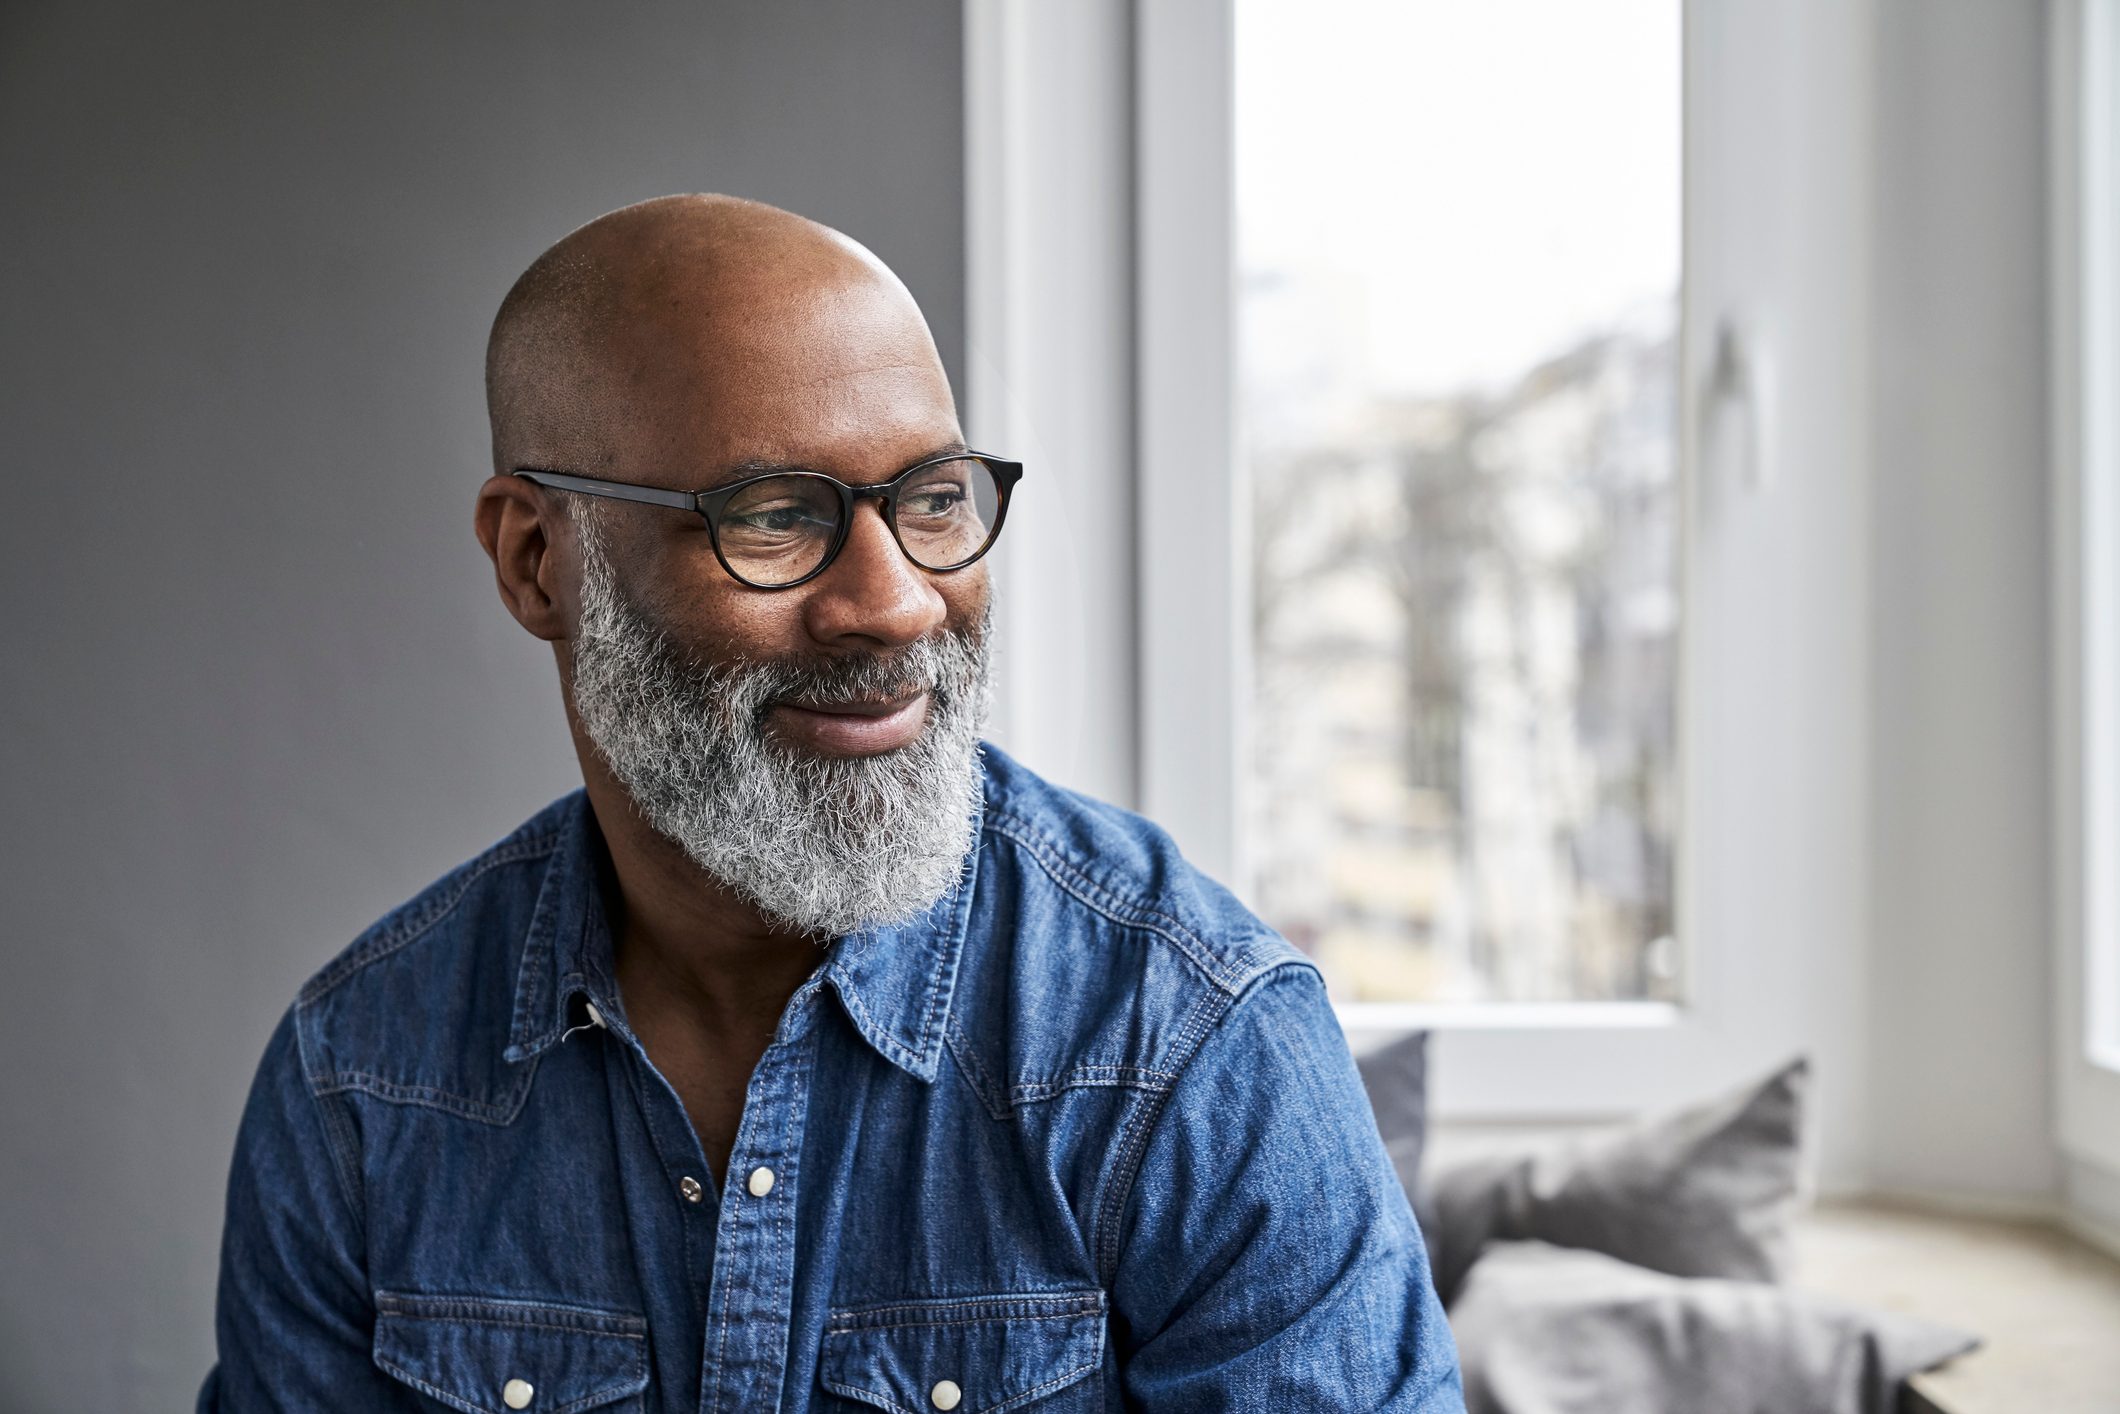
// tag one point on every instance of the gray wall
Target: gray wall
(260, 687)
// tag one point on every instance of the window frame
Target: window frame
(1574, 1060)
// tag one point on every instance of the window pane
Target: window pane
(1458, 246)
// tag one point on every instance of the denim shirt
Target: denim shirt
(1085, 1136)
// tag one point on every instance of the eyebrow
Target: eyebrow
(741, 470)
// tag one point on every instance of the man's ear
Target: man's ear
(513, 519)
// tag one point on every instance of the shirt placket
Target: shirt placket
(671, 1204)
(750, 1304)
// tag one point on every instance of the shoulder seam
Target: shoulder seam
(401, 931)
(343, 1146)
(1141, 1125)
(1129, 913)
(500, 1112)
(1000, 1102)
(1135, 1133)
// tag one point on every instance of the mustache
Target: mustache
(935, 665)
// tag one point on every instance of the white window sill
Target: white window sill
(2045, 1305)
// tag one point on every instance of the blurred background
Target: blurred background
(1599, 520)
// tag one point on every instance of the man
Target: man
(815, 1055)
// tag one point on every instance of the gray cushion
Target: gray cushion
(1706, 1192)
(1546, 1330)
(1396, 1077)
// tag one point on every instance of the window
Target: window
(1458, 267)
(1103, 342)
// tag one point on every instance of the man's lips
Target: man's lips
(853, 728)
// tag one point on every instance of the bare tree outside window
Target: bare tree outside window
(1459, 252)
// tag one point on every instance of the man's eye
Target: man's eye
(773, 519)
(939, 502)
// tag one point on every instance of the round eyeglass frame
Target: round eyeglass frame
(709, 504)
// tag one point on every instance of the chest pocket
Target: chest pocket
(971, 1354)
(496, 1357)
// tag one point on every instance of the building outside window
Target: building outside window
(1458, 273)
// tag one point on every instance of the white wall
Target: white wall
(1050, 358)
(1961, 923)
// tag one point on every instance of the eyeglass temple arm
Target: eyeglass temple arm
(616, 490)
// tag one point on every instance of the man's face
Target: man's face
(813, 747)
(841, 380)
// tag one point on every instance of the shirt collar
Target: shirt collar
(567, 952)
(894, 983)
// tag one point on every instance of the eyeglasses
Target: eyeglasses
(785, 528)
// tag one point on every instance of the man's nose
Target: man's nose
(872, 591)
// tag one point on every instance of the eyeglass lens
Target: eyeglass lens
(779, 529)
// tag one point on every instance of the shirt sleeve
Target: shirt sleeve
(1269, 1257)
(294, 1321)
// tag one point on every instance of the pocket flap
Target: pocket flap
(466, 1351)
(984, 1354)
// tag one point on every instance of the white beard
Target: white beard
(824, 845)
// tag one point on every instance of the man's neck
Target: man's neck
(687, 945)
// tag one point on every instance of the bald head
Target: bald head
(639, 331)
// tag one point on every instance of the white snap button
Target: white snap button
(596, 1018)
(516, 1394)
(689, 1186)
(761, 1181)
(945, 1394)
